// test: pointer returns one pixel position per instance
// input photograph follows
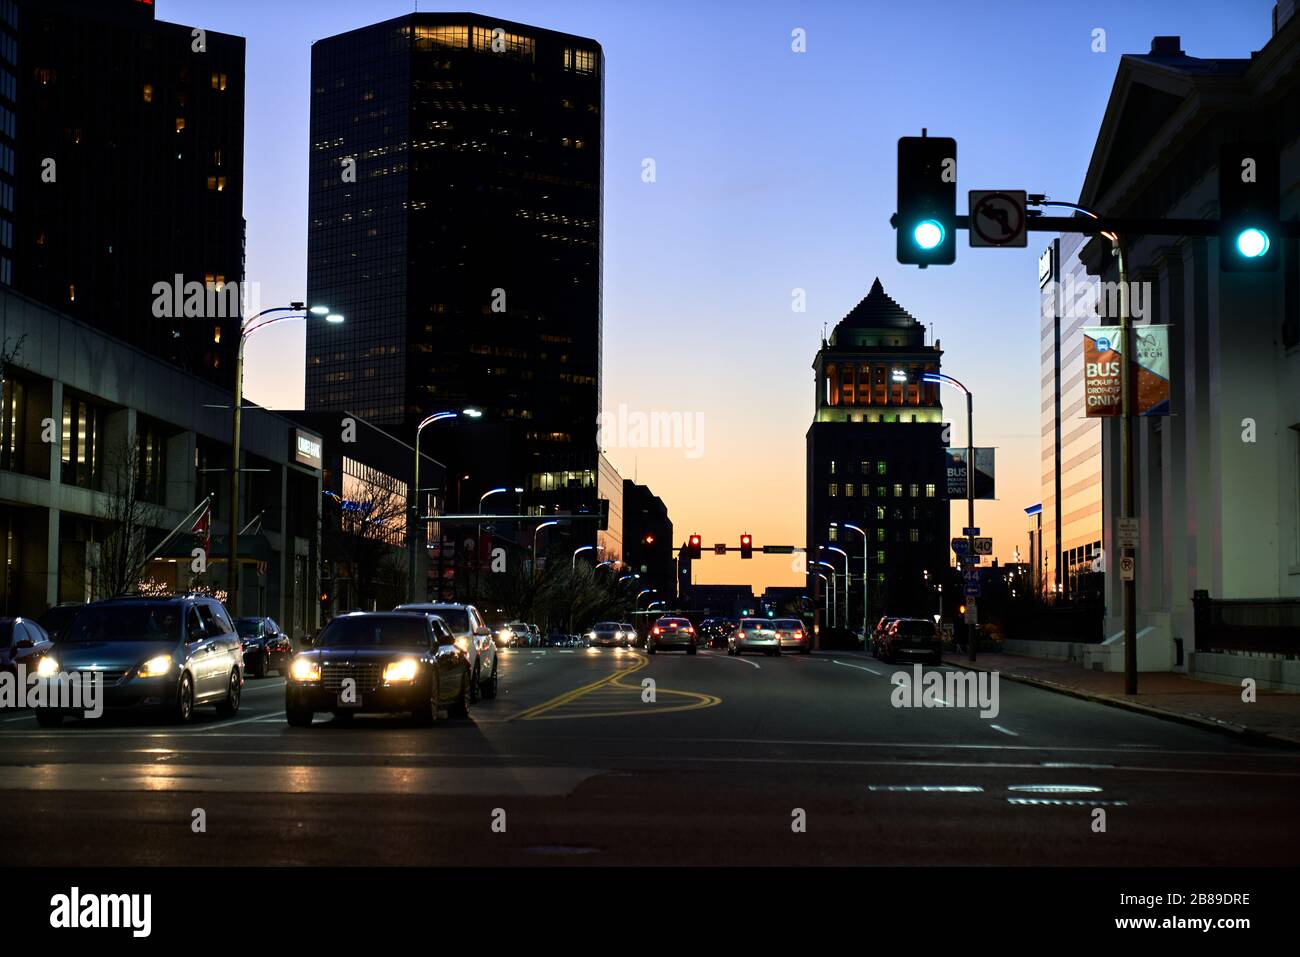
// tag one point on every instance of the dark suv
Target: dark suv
(912, 637)
(170, 653)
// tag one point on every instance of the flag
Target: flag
(202, 530)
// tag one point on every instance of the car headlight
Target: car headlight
(47, 667)
(156, 667)
(305, 669)
(461, 643)
(404, 670)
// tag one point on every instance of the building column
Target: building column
(56, 496)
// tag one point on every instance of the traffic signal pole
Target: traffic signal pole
(1126, 467)
(972, 631)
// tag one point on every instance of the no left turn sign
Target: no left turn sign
(997, 217)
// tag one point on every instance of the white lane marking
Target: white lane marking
(928, 788)
(753, 664)
(845, 664)
(998, 727)
(569, 652)
(25, 717)
(229, 724)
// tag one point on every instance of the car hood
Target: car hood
(109, 655)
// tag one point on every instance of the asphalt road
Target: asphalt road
(571, 765)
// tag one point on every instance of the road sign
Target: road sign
(983, 546)
(972, 591)
(997, 217)
(1126, 568)
(969, 559)
(971, 617)
(1127, 536)
(970, 531)
(720, 548)
(959, 545)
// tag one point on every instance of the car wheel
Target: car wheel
(490, 689)
(49, 718)
(230, 707)
(460, 707)
(298, 717)
(183, 711)
(475, 686)
(428, 713)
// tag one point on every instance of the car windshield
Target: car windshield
(376, 631)
(608, 626)
(126, 623)
(247, 626)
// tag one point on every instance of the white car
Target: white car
(473, 637)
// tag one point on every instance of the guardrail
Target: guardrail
(1266, 625)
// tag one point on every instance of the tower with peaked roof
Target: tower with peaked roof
(876, 460)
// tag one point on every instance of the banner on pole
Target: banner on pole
(1102, 394)
(956, 470)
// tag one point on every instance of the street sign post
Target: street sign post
(983, 546)
(959, 545)
(1127, 566)
(997, 217)
(1127, 534)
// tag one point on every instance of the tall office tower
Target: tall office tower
(876, 460)
(8, 130)
(130, 159)
(455, 219)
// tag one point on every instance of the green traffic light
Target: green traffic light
(1252, 243)
(928, 233)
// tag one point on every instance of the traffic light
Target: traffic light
(927, 200)
(603, 522)
(649, 539)
(1249, 179)
(746, 546)
(693, 547)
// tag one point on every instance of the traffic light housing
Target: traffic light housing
(746, 546)
(693, 547)
(603, 522)
(926, 221)
(1249, 186)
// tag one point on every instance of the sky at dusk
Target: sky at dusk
(775, 172)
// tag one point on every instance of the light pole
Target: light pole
(478, 530)
(941, 378)
(577, 552)
(835, 601)
(847, 586)
(412, 536)
(267, 317)
(826, 593)
(1125, 441)
(536, 531)
(865, 586)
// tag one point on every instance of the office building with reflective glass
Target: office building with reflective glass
(455, 219)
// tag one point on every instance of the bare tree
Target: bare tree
(129, 516)
(364, 534)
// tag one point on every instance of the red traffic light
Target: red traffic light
(649, 539)
(693, 546)
(746, 546)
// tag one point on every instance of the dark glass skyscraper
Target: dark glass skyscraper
(455, 219)
(130, 160)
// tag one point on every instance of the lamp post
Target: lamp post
(536, 531)
(865, 586)
(941, 378)
(835, 601)
(826, 593)
(478, 530)
(267, 317)
(412, 536)
(1125, 441)
(578, 551)
(847, 586)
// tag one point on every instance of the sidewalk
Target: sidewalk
(1274, 717)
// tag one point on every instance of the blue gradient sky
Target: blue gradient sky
(775, 171)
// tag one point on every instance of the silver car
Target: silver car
(608, 634)
(754, 634)
(473, 637)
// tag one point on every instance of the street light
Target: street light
(942, 379)
(832, 548)
(267, 317)
(578, 551)
(823, 578)
(535, 533)
(865, 586)
(835, 602)
(412, 537)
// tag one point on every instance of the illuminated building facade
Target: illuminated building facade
(876, 460)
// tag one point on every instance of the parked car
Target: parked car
(911, 637)
(172, 653)
(22, 642)
(473, 637)
(792, 635)
(401, 661)
(56, 619)
(754, 634)
(878, 633)
(671, 632)
(607, 634)
(266, 647)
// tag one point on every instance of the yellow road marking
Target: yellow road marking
(613, 684)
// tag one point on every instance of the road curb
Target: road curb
(1241, 731)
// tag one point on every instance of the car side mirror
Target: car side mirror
(483, 632)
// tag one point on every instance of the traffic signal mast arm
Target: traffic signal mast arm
(1125, 226)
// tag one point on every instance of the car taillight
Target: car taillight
(656, 631)
(740, 634)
